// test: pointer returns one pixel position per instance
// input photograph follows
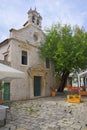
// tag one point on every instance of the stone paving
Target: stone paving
(50, 113)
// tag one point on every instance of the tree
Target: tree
(66, 47)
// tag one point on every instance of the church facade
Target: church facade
(21, 51)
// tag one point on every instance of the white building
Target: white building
(21, 51)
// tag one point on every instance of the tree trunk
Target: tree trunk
(63, 81)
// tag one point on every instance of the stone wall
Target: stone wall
(23, 40)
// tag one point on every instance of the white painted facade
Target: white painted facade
(27, 39)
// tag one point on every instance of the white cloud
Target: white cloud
(61, 11)
(13, 13)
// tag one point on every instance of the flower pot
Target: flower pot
(1, 101)
(83, 92)
(53, 93)
(74, 98)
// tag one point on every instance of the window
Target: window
(47, 63)
(37, 22)
(33, 19)
(6, 57)
(24, 57)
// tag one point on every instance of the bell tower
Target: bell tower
(34, 18)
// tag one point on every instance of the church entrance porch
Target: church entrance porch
(37, 80)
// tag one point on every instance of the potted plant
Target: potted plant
(53, 92)
(74, 98)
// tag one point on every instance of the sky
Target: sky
(13, 13)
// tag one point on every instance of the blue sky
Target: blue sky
(13, 13)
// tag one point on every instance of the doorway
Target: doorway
(6, 91)
(37, 85)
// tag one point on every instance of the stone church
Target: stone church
(20, 51)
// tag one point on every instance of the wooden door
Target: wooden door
(37, 85)
(6, 91)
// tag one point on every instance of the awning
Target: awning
(8, 73)
(81, 74)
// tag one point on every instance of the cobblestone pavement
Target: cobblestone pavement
(50, 113)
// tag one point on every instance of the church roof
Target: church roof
(24, 27)
(5, 41)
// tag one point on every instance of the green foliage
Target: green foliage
(70, 96)
(66, 47)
